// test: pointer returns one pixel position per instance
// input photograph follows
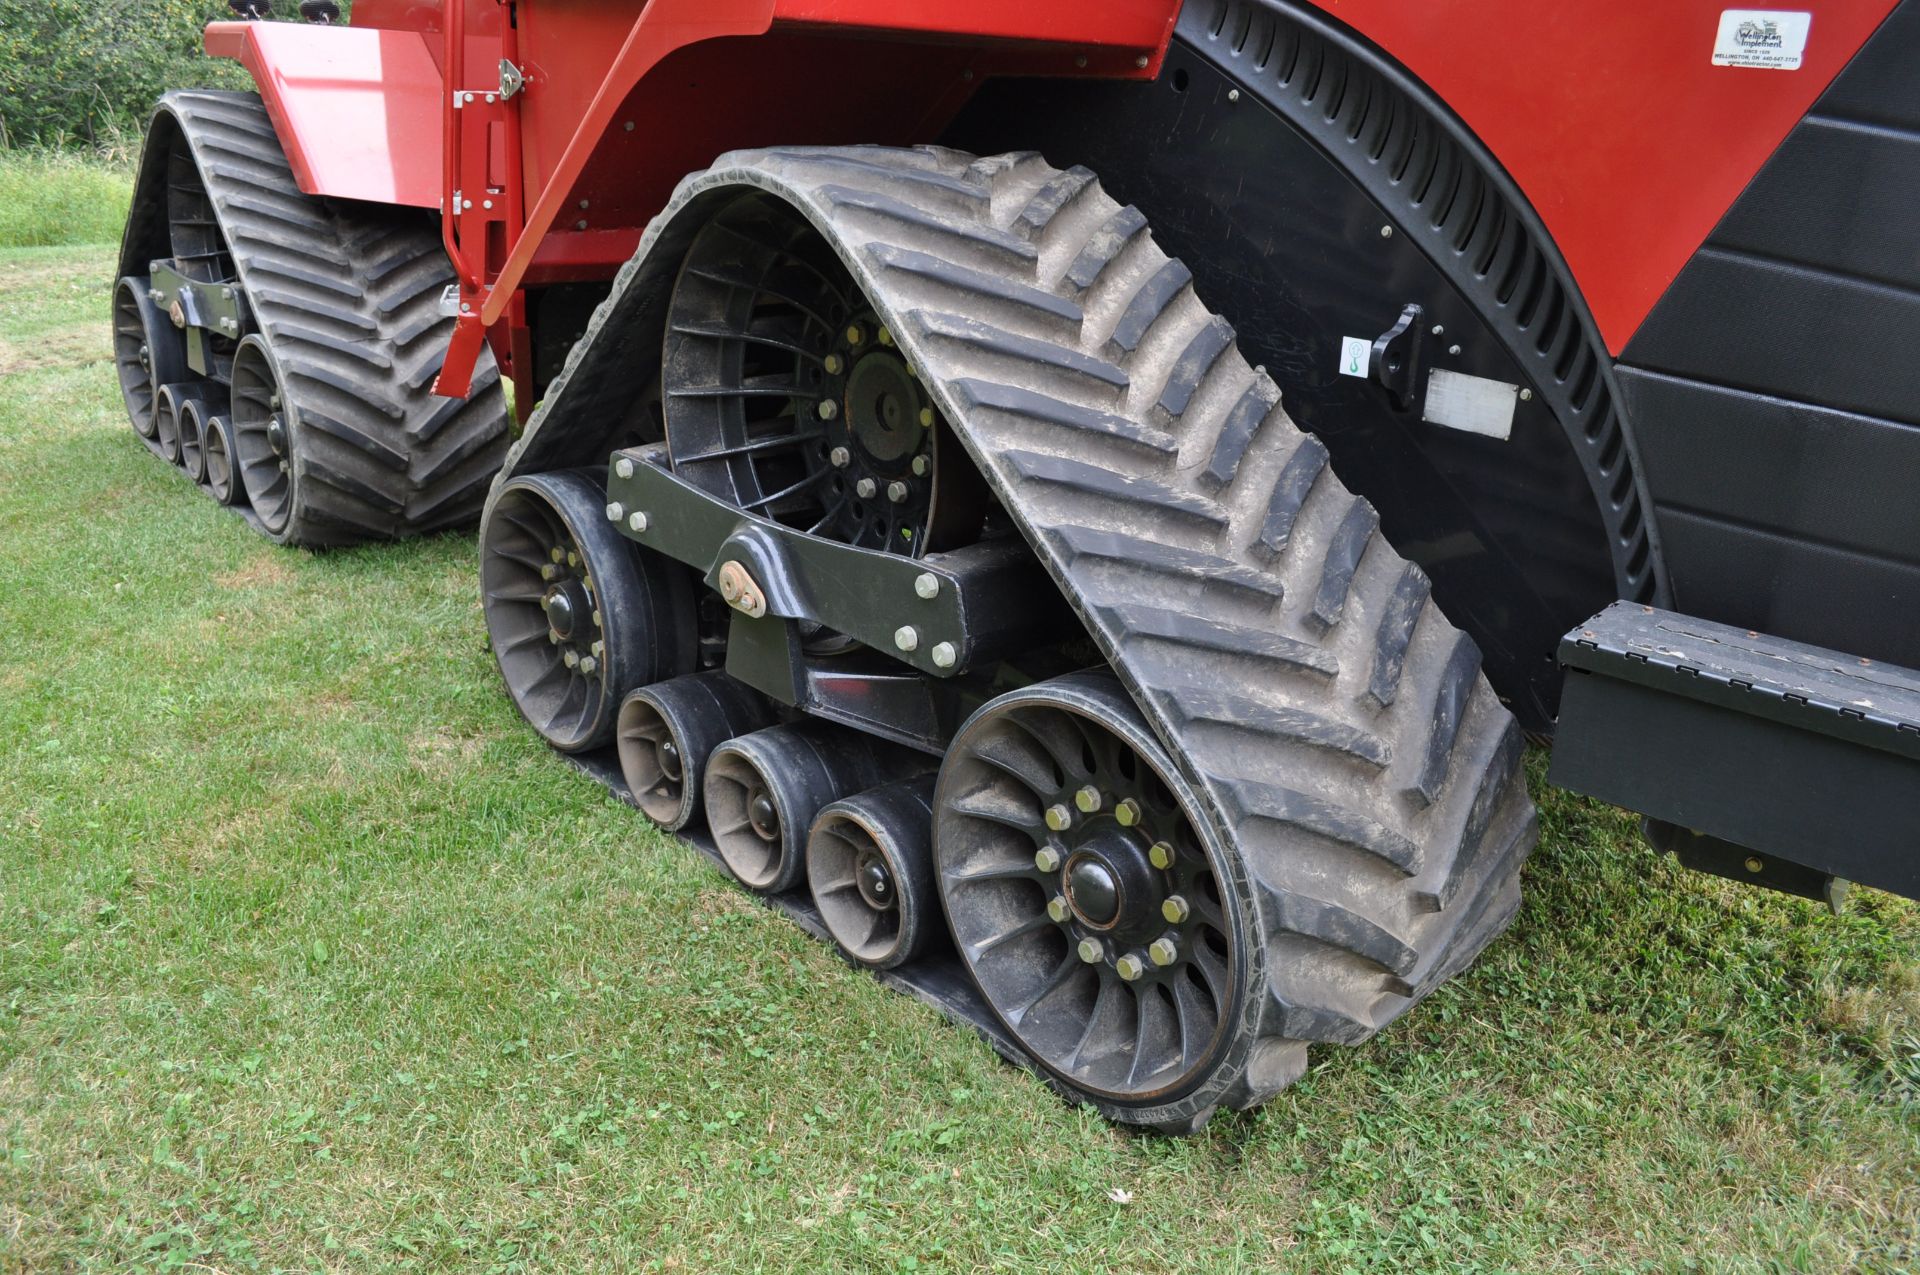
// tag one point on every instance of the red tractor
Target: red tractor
(1082, 503)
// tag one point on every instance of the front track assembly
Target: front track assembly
(281, 347)
(1276, 804)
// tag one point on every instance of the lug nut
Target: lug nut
(828, 409)
(597, 624)
(623, 468)
(1160, 855)
(1163, 952)
(557, 554)
(926, 418)
(1091, 952)
(637, 520)
(865, 487)
(548, 571)
(944, 655)
(856, 335)
(588, 664)
(833, 364)
(883, 336)
(922, 467)
(599, 648)
(896, 491)
(571, 659)
(616, 511)
(1127, 812)
(1130, 966)
(573, 559)
(1175, 909)
(1059, 818)
(1047, 859)
(1087, 799)
(840, 457)
(906, 637)
(1057, 909)
(927, 584)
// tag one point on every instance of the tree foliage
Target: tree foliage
(88, 71)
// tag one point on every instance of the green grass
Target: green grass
(312, 958)
(52, 197)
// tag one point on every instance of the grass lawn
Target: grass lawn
(312, 958)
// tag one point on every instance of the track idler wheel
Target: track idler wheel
(1099, 924)
(263, 436)
(216, 437)
(166, 419)
(190, 418)
(667, 732)
(870, 866)
(579, 615)
(764, 790)
(148, 351)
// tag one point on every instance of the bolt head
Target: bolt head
(588, 664)
(840, 457)
(927, 584)
(1057, 909)
(833, 363)
(1141, 61)
(623, 468)
(926, 418)
(1059, 818)
(906, 637)
(828, 409)
(897, 492)
(548, 571)
(1386, 232)
(1453, 349)
(637, 520)
(1526, 396)
(921, 466)
(866, 487)
(1130, 967)
(1164, 952)
(557, 554)
(1175, 909)
(944, 656)
(1088, 799)
(1753, 863)
(1127, 812)
(1047, 859)
(1091, 951)
(616, 511)
(573, 559)
(571, 659)
(856, 335)
(1233, 95)
(883, 336)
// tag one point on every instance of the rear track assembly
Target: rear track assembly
(1290, 806)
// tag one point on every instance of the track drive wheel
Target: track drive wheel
(1105, 931)
(579, 616)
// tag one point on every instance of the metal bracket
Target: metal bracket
(941, 614)
(1396, 357)
(512, 79)
(194, 303)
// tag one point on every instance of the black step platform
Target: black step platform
(1784, 751)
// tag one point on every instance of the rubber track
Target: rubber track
(348, 296)
(1350, 752)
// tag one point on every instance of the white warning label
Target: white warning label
(1767, 39)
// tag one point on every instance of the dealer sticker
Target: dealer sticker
(1766, 39)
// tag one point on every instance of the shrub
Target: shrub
(88, 71)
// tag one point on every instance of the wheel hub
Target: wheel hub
(875, 883)
(882, 407)
(565, 605)
(277, 436)
(667, 756)
(763, 815)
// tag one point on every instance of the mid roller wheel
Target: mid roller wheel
(217, 440)
(870, 865)
(166, 419)
(190, 418)
(579, 615)
(1104, 930)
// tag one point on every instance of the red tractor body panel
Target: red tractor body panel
(1613, 118)
(357, 108)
